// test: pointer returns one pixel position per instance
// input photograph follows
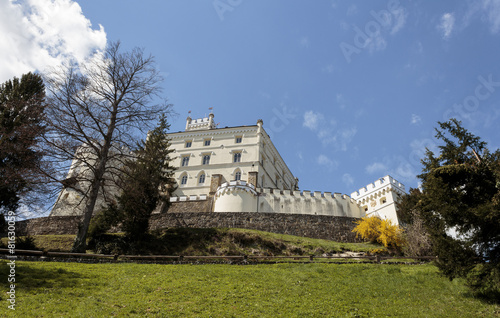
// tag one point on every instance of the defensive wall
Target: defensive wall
(336, 228)
(245, 197)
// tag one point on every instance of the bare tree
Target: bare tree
(96, 112)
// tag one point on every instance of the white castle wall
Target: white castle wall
(241, 197)
(380, 197)
(236, 196)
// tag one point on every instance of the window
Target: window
(184, 180)
(237, 176)
(201, 179)
(238, 139)
(206, 159)
(185, 161)
(188, 144)
(206, 142)
(237, 157)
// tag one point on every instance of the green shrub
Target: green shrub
(25, 243)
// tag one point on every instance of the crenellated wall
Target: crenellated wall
(307, 202)
(242, 196)
(380, 197)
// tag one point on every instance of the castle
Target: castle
(239, 169)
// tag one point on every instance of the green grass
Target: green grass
(281, 290)
(50, 242)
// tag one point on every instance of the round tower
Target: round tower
(236, 196)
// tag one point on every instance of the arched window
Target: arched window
(185, 161)
(237, 157)
(206, 159)
(237, 176)
(201, 179)
(184, 180)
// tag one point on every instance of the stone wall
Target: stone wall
(336, 228)
(191, 206)
(57, 225)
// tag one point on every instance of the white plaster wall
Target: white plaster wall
(380, 197)
(316, 203)
(254, 147)
(235, 197)
(232, 199)
(70, 200)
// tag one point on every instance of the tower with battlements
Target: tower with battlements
(379, 198)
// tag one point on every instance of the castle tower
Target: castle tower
(380, 197)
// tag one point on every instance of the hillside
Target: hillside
(188, 241)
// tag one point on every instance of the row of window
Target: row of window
(207, 141)
(206, 159)
(202, 177)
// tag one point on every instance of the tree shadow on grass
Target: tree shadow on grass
(492, 298)
(31, 278)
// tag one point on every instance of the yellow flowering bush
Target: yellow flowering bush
(380, 231)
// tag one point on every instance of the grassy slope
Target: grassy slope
(219, 242)
(281, 290)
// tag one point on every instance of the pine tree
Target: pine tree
(147, 182)
(21, 127)
(460, 206)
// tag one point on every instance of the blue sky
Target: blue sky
(348, 91)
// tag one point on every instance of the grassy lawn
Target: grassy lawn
(280, 290)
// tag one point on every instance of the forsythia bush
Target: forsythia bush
(380, 231)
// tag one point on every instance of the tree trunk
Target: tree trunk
(80, 244)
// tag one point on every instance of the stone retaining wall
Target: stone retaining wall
(336, 228)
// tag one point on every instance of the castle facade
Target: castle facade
(239, 169)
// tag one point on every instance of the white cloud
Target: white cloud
(491, 9)
(347, 179)
(415, 119)
(37, 34)
(312, 119)
(376, 167)
(399, 20)
(376, 42)
(327, 162)
(328, 132)
(447, 24)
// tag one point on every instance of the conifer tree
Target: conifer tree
(460, 206)
(147, 182)
(21, 127)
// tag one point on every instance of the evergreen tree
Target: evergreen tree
(21, 127)
(147, 182)
(460, 206)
